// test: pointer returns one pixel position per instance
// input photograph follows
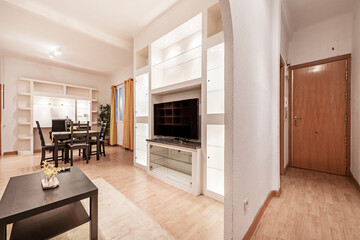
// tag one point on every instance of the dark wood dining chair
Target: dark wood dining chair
(78, 143)
(48, 147)
(101, 140)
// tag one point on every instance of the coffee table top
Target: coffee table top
(24, 196)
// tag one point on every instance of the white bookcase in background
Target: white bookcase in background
(45, 96)
(24, 117)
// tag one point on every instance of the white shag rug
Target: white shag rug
(119, 218)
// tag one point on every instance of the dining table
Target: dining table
(66, 135)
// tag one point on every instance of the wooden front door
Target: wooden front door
(319, 117)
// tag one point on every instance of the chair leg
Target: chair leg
(86, 150)
(42, 156)
(79, 152)
(72, 158)
(103, 145)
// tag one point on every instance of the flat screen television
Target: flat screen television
(177, 119)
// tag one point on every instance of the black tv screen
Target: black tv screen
(177, 119)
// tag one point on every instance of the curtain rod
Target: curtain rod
(122, 83)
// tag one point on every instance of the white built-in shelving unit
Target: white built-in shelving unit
(44, 100)
(187, 62)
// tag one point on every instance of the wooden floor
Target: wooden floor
(181, 214)
(312, 205)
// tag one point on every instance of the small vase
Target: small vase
(49, 180)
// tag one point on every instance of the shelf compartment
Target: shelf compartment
(142, 58)
(172, 174)
(24, 86)
(194, 84)
(24, 101)
(181, 58)
(171, 155)
(55, 222)
(48, 88)
(214, 21)
(77, 91)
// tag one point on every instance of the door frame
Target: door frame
(348, 105)
(282, 127)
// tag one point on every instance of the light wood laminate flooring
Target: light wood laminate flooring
(312, 205)
(181, 214)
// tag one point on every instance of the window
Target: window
(119, 99)
(117, 105)
(121, 104)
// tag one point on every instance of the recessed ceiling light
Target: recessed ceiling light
(51, 55)
(57, 52)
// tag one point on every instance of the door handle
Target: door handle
(296, 121)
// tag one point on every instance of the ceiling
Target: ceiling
(94, 35)
(302, 13)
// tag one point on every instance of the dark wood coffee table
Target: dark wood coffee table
(42, 214)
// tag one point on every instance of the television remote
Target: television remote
(67, 169)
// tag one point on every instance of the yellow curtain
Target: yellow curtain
(113, 140)
(128, 140)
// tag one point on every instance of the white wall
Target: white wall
(285, 41)
(255, 146)
(14, 68)
(314, 42)
(355, 98)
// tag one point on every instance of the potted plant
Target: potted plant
(104, 116)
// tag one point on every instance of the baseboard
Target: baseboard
(277, 193)
(287, 167)
(260, 213)
(354, 181)
(10, 153)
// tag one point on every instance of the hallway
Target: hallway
(312, 205)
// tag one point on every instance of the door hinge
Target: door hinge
(346, 97)
(346, 140)
(345, 162)
(346, 75)
(346, 119)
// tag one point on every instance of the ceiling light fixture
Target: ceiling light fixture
(55, 53)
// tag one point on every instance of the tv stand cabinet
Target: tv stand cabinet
(176, 164)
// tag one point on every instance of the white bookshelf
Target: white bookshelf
(185, 63)
(177, 56)
(34, 92)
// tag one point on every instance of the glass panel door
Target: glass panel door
(215, 158)
(215, 79)
(142, 133)
(142, 95)
(174, 164)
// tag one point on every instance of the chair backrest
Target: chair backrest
(103, 130)
(72, 130)
(42, 140)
